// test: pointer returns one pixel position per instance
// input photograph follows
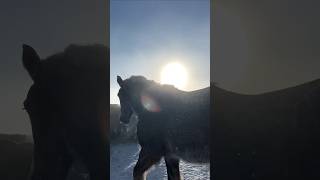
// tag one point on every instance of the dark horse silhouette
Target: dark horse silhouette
(67, 108)
(273, 135)
(172, 123)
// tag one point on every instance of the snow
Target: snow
(124, 156)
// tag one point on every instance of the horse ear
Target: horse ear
(120, 81)
(30, 59)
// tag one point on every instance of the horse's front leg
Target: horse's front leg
(173, 171)
(146, 160)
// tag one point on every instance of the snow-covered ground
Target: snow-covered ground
(124, 156)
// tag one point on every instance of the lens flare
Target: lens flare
(150, 104)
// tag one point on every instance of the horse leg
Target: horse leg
(172, 165)
(145, 161)
(92, 151)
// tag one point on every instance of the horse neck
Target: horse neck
(137, 105)
(136, 101)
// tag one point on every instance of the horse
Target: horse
(67, 106)
(173, 124)
(273, 135)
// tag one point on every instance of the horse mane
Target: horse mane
(161, 92)
(144, 82)
(82, 56)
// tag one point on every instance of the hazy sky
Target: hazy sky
(260, 46)
(146, 35)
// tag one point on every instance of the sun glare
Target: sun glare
(174, 74)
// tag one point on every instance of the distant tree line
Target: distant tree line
(120, 132)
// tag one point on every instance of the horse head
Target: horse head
(67, 108)
(135, 95)
(124, 97)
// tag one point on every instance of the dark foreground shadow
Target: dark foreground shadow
(16, 159)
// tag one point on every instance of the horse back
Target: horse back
(261, 134)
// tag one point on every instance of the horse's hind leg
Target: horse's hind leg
(173, 171)
(145, 161)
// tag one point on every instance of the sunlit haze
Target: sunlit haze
(174, 74)
(165, 41)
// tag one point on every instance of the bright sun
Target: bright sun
(174, 74)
